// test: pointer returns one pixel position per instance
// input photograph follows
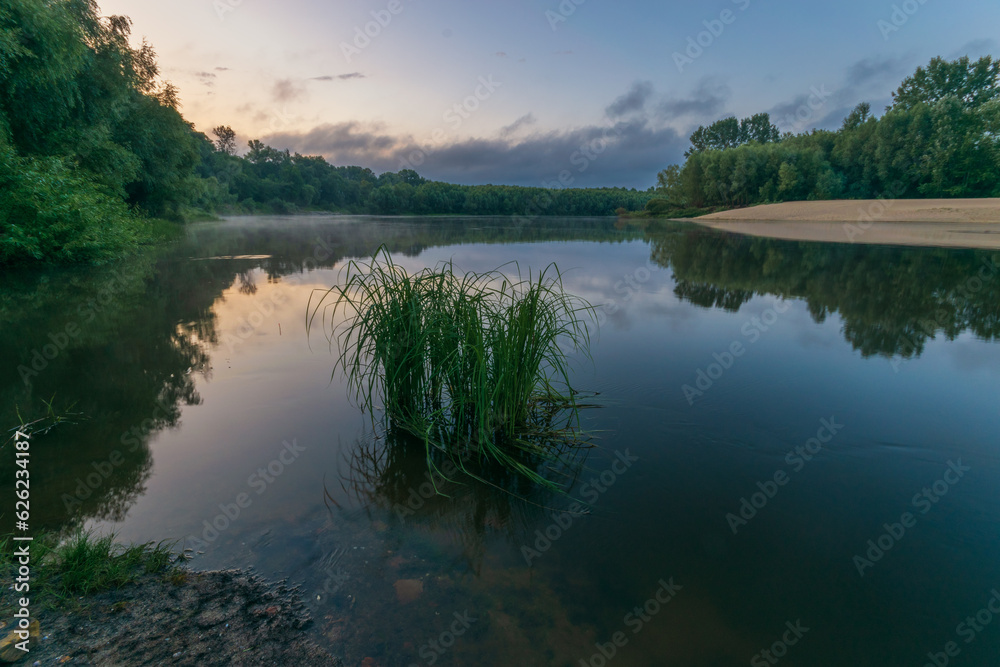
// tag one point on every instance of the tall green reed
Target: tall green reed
(473, 364)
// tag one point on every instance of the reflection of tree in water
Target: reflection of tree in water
(248, 285)
(141, 329)
(891, 299)
(390, 479)
(146, 326)
(710, 296)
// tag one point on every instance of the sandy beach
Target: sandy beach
(958, 223)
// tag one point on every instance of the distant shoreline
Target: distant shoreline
(953, 223)
(877, 210)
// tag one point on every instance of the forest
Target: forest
(940, 137)
(95, 154)
(94, 151)
(271, 181)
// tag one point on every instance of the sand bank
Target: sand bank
(957, 223)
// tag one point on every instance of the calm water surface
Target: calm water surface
(796, 445)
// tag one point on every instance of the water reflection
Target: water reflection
(391, 478)
(892, 299)
(127, 344)
(147, 339)
(119, 346)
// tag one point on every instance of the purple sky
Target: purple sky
(519, 91)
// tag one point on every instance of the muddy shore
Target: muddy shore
(228, 617)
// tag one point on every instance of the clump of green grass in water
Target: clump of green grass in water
(42, 425)
(472, 363)
(85, 565)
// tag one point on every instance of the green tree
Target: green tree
(225, 139)
(858, 116)
(974, 83)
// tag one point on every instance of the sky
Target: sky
(580, 93)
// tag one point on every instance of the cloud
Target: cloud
(975, 49)
(523, 121)
(707, 100)
(221, 69)
(878, 71)
(501, 54)
(562, 53)
(286, 90)
(340, 77)
(632, 101)
(824, 107)
(206, 78)
(626, 153)
(616, 152)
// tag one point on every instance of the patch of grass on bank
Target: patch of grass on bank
(62, 572)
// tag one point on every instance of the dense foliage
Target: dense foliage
(939, 138)
(268, 180)
(92, 145)
(89, 138)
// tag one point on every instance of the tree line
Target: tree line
(93, 148)
(268, 180)
(940, 137)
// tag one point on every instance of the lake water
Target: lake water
(795, 445)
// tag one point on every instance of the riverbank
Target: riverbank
(955, 223)
(228, 617)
